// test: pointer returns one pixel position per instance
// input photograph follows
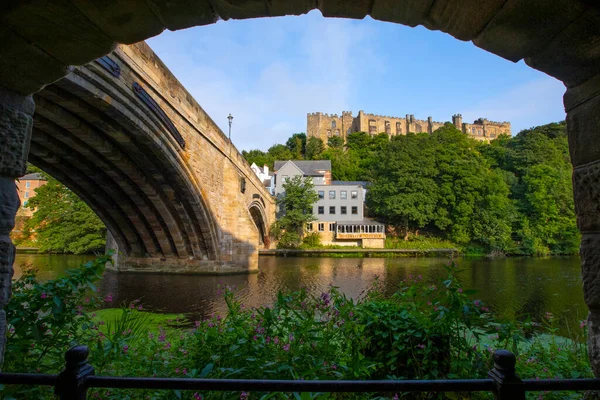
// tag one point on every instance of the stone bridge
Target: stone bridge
(175, 194)
(40, 40)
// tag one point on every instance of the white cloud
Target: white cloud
(265, 85)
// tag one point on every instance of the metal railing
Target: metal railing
(78, 376)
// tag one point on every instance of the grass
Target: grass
(152, 320)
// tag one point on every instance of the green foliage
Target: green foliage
(62, 222)
(297, 145)
(336, 142)
(314, 148)
(296, 205)
(424, 330)
(311, 240)
(46, 318)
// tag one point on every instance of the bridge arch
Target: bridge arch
(257, 211)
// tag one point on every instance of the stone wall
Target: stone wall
(324, 126)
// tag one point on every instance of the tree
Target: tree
(258, 157)
(296, 205)
(297, 145)
(279, 152)
(62, 222)
(314, 148)
(335, 142)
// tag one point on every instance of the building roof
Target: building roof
(310, 168)
(349, 183)
(32, 177)
(365, 221)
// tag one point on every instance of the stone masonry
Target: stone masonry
(15, 132)
(324, 126)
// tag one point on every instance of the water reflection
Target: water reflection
(512, 287)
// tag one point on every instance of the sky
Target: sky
(270, 72)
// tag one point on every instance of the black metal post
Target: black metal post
(508, 386)
(71, 381)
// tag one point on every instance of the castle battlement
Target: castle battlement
(324, 126)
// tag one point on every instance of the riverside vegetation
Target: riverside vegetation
(512, 196)
(424, 330)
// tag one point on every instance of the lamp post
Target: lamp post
(230, 118)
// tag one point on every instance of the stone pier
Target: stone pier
(16, 121)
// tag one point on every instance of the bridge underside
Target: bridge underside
(102, 147)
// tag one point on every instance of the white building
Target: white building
(265, 176)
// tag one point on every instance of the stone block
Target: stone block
(15, 134)
(181, 14)
(590, 269)
(572, 56)
(580, 94)
(521, 28)
(30, 76)
(59, 29)
(593, 341)
(583, 128)
(240, 9)
(586, 191)
(5, 287)
(409, 12)
(279, 8)
(123, 21)
(9, 204)
(357, 9)
(463, 19)
(3, 327)
(7, 255)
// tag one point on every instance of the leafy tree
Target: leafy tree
(344, 164)
(297, 145)
(279, 152)
(404, 190)
(335, 142)
(258, 157)
(314, 148)
(62, 222)
(296, 205)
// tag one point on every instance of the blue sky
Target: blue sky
(269, 73)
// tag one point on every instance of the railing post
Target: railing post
(508, 385)
(71, 381)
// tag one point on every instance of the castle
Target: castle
(325, 126)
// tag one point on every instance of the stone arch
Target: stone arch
(259, 217)
(108, 150)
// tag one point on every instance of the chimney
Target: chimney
(266, 169)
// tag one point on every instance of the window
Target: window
(285, 178)
(333, 124)
(354, 194)
(321, 227)
(343, 210)
(309, 227)
(25, 203)
(26, 195)
(321, 194)
(332, 194)
(331, 209)
(27, 184)
(343, 194)
(332, 227)
(321, 210)
(354, 210)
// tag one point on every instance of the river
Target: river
(511, 287)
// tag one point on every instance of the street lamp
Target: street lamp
(230, 118)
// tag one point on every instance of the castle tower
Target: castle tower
(457, 121)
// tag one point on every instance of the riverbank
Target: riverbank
(358, 252)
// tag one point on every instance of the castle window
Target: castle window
(337, 132)
(333, 125)
(398, 128)
(328, 132)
